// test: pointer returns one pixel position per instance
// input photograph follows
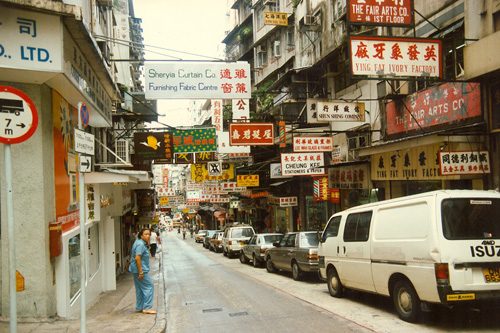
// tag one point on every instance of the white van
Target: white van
(432, 248)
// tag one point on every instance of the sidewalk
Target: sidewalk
(113, 312)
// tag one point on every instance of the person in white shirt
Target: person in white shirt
(152, 243)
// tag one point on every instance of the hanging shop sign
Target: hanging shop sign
(418, 163)
(232, 187)
(199, 172)
(284, 201)
(190, 185)
(218, 189)
(320, 188)
(259, 194)
(275, 170)
(217, 114)
(275, 18)
(349, 177)
(444, 106)
(184, 158)
(312, 144)
(241, 110)
(312, 110)
(464, 162)
(495, 106)
(154, 145)
(247, 180)
(223, 146)
(92, 211)
(251, 134)
(335, 195)
(335, 111)
(214, 169)
(385, 57)
(194, 140)
(205, 157)
(197, 80)
(164, 191)
(193, 195)
(381, 13)
(302, 164)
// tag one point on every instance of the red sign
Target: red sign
(381, 12)
(448, 103)
(251, 134)
(18, 116)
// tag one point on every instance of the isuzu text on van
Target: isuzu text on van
(440, 247)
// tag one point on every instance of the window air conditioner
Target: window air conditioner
(310, 20)
(261, 48)
(277, 48)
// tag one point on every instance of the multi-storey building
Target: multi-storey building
(61, 55)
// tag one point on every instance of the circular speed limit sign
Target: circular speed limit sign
(18, 116)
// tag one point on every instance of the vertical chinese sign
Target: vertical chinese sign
(217, 117)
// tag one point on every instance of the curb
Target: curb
(161, 315)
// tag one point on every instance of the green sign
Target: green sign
(194, 140)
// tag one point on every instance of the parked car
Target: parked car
(296, 252)
(206, 238)
(215, 243)
(198, 238)
(235, 236)
(256, 248)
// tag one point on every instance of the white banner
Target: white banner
(464, 162)
(310, 143)
(302, 164)
(340, 111)
(197, 80)
(241, 109)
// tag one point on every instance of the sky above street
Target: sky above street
(191, 26)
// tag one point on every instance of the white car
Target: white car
(235, 236)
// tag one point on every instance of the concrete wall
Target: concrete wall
(34, 207)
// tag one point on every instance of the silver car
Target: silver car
(296, 252)
(256, 248)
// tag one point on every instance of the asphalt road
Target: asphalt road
(206, 292)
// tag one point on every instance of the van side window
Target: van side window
(332, 229)
(357, 227)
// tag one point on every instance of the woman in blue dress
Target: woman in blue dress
(139, 267)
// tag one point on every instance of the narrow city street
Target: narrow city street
(206, 291)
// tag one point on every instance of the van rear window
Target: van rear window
(470, 218)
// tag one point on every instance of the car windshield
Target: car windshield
(468, 218)
(242, 232)
(309, 240)
(269, 239)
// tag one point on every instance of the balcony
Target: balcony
(481, 57)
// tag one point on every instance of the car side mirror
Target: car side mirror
(276, 244)
(320, 239)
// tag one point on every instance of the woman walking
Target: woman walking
(139, 267)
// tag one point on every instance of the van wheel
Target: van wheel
(406, 301)
(243, 259)
(269, 265)
(296, 272)
(224, 252)
(334, 285)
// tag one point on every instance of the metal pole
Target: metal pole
(12, 248)
(83, 239)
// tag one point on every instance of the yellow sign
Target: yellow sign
(418, 163)
(19, 281)
(247, 180)
(461, 297)
(199, 172)
(275, 18)
(163, 200)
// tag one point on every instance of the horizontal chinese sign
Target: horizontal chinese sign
(164, 191)
(232, 187)
(194, 140)
(154, 145)
(247, 180)
(349, 177)
(197, 80)
(275, 18)
(340, 111)
(251, 134)
(284, 201)
(302, 164)
(205, 157)
(464, 162)
(312, 143)
(449, 103)
(381, 13)
(199, 172)
(396, 57)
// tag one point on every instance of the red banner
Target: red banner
(381, 13)
(449, 103)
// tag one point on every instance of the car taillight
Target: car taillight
(442, 274)
(263, 250)
(230, 242)
(218, 242)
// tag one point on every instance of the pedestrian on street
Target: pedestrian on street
(153, 243)
(139, 267)
(184, 233)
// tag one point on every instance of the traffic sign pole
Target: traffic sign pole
(83, 238)
(12, 247)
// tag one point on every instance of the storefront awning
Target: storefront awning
(134, 179)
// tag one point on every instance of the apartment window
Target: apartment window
(260, 18)
(261, 55)
(290, 38)
(276, 49)
(274, 6)
(496, 21)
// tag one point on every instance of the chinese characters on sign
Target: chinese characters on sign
(340, 111)
(284, 201)
(241, 110)
(349, 177)
(247, 180)
(217, 114)
(396, 57)
(444, 104)
(154, 145)
(320, 187)
(301, 164)
(246, 134)
(275, 18)
(197, 80)
(310, 143)
(194, 140)
(380, 12)
(464, 162)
